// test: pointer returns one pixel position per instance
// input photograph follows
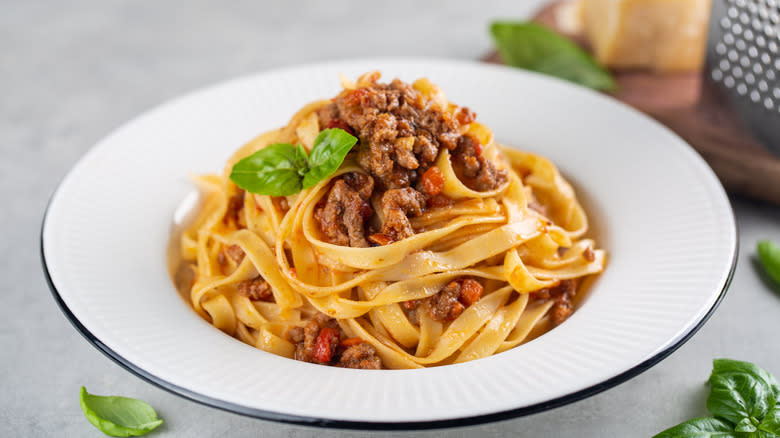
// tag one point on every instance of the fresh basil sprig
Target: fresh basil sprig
(769, 256)
(282, 169)
(704, 427)
(534, 47)
(118, 416)
(744, 399)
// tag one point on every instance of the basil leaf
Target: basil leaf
(735, 366)
(534, 47)
(740, 390)
(745, 425)
(771, 422)
(118, 416)
(769, 256)
(275, 170)
(700, 428)
(330, 148)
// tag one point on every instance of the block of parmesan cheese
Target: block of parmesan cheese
(663, 35)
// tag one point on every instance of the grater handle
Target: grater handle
(750, 175)
(742, 167)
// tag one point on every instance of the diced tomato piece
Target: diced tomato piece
(456, 310)
(324, 346)
(478, 148)
(464, 116)
(411, 304)
(439, 201)
(380, 239)
(351, 341)
(340, 124)
(470, 291)
(365, 210)
(432, 181)
(354, 97)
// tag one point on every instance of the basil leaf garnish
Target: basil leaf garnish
(275, 170)
(740, 390)
(118, 416)
(330, 148)
(534, 47)
(745, 425)
(771, 423)
(744, 400)
(769, 256)
(282, 169)
(723, 366)
(700, 428)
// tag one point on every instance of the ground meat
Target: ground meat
(438, 201)
(362, 356)
(397, 205)
(444, 306)
(305, 345)
(281, 204)
(232, 252)
(561, 295)
(234, 209)
(476, 172)
(411, 308)
(400, 134)
(296, 335)
(256, 289)
(448, 303)
(535, 205)
(464, 116)
(588, 254)
(346, 208)
(399, 131)
(322, 341)
(328, 115)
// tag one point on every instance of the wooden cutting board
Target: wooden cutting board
(693, 107)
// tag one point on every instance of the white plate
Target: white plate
(657, 208)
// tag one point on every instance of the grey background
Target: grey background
(70, 72)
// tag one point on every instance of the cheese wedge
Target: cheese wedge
(662, 35)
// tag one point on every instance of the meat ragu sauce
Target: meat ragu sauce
(448, 303)
(400, 135)
(396, 186)
(323, 342)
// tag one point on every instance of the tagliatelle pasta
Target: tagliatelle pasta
(452, 249)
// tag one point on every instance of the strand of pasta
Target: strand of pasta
(491, 235)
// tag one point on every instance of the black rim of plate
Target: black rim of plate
(366, 425)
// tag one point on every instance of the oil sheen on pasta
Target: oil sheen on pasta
(431, 245)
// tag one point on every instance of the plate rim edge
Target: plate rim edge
(383, 426)
(313, 421)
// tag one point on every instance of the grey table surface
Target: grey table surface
(70, 72)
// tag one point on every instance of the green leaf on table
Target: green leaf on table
(744, 400)
(769, 256)
(118, 416)
(330, 148)
(745, 425)
(771, 422)
(739, 391)
(700, 428)
(534, 47)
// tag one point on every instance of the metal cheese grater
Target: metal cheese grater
(743, 55)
